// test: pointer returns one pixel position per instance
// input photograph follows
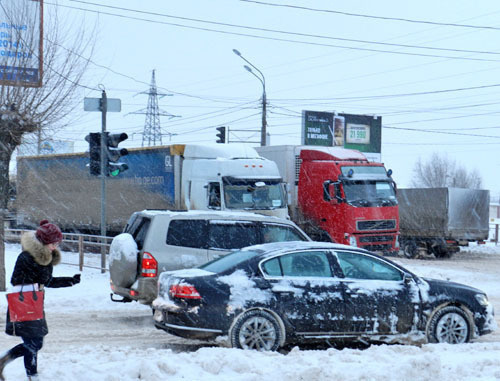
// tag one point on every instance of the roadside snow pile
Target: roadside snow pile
(384, 363)
(487, 248)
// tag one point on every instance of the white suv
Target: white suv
(154, 241)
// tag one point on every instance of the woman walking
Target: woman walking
(34, 267)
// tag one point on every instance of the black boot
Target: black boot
(4, 360)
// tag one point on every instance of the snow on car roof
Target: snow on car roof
(215, 214)
(276, 247)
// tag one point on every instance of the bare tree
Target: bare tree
(25, 110)
(440, 171)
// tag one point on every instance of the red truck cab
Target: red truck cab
(344, 197)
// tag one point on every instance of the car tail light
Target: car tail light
(149, 266)
(184, 291)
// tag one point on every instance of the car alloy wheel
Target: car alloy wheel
(257, 330)
(450, 325)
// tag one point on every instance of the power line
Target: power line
(439, 132)
(372, 16)
(395, 95)
(273, 31)
(285, 32)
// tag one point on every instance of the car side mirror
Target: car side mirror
(407, 278)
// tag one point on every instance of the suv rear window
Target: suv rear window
(138, 229)
(187, 233)
(232, 235)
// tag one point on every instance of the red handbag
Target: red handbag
(27, 305)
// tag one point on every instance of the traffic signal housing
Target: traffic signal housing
(94, 140)
(221, 135)
(113, 154)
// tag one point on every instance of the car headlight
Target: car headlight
(482, 299)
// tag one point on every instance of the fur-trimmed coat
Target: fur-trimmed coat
(34, 265)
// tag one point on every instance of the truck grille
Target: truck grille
(383, 248)
(376, 225)
(376, 238)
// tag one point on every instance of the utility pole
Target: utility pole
(103, 105)
(104, 110)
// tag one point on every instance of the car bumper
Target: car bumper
(486, 322)
(172, 323)
(143, 290)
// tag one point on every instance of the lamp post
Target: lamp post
(262, 80)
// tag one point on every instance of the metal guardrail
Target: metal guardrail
(76, 243)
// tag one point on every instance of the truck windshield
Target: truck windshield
(253, 194)
(369, 193)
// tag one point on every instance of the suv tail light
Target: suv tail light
(149, 266)
(184, 291)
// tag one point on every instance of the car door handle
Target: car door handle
(283, 292)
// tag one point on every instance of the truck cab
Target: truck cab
(336, 194)
(348, 198)
(230, 177)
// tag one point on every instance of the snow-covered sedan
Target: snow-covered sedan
(266, 296)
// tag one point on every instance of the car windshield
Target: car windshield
(230, 260)
(251, 194)
(369, 193)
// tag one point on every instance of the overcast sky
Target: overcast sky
(429, 68)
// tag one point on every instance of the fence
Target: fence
(74, 242)
(494, 223)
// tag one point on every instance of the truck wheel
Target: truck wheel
(123, 260)
(256, 330)
(410, 249)
(441, 252)
(449, 325)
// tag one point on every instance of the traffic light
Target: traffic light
(94, 139)
(113, 154)
(221, 135)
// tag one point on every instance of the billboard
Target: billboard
(364, 133)
(21, 52)
(322, 129)
(352, 131)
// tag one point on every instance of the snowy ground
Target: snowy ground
(92, 338)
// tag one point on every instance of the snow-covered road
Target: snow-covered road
(92, 338)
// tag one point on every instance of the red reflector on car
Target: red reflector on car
(185, 291)
(133, 293)
(149, 266)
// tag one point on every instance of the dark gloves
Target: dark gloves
(76, 278)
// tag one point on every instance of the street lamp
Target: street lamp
(264, 98)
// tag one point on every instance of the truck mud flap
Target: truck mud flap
(122, 300)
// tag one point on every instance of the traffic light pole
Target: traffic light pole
(104, 109)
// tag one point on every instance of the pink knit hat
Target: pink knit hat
(48, 233)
